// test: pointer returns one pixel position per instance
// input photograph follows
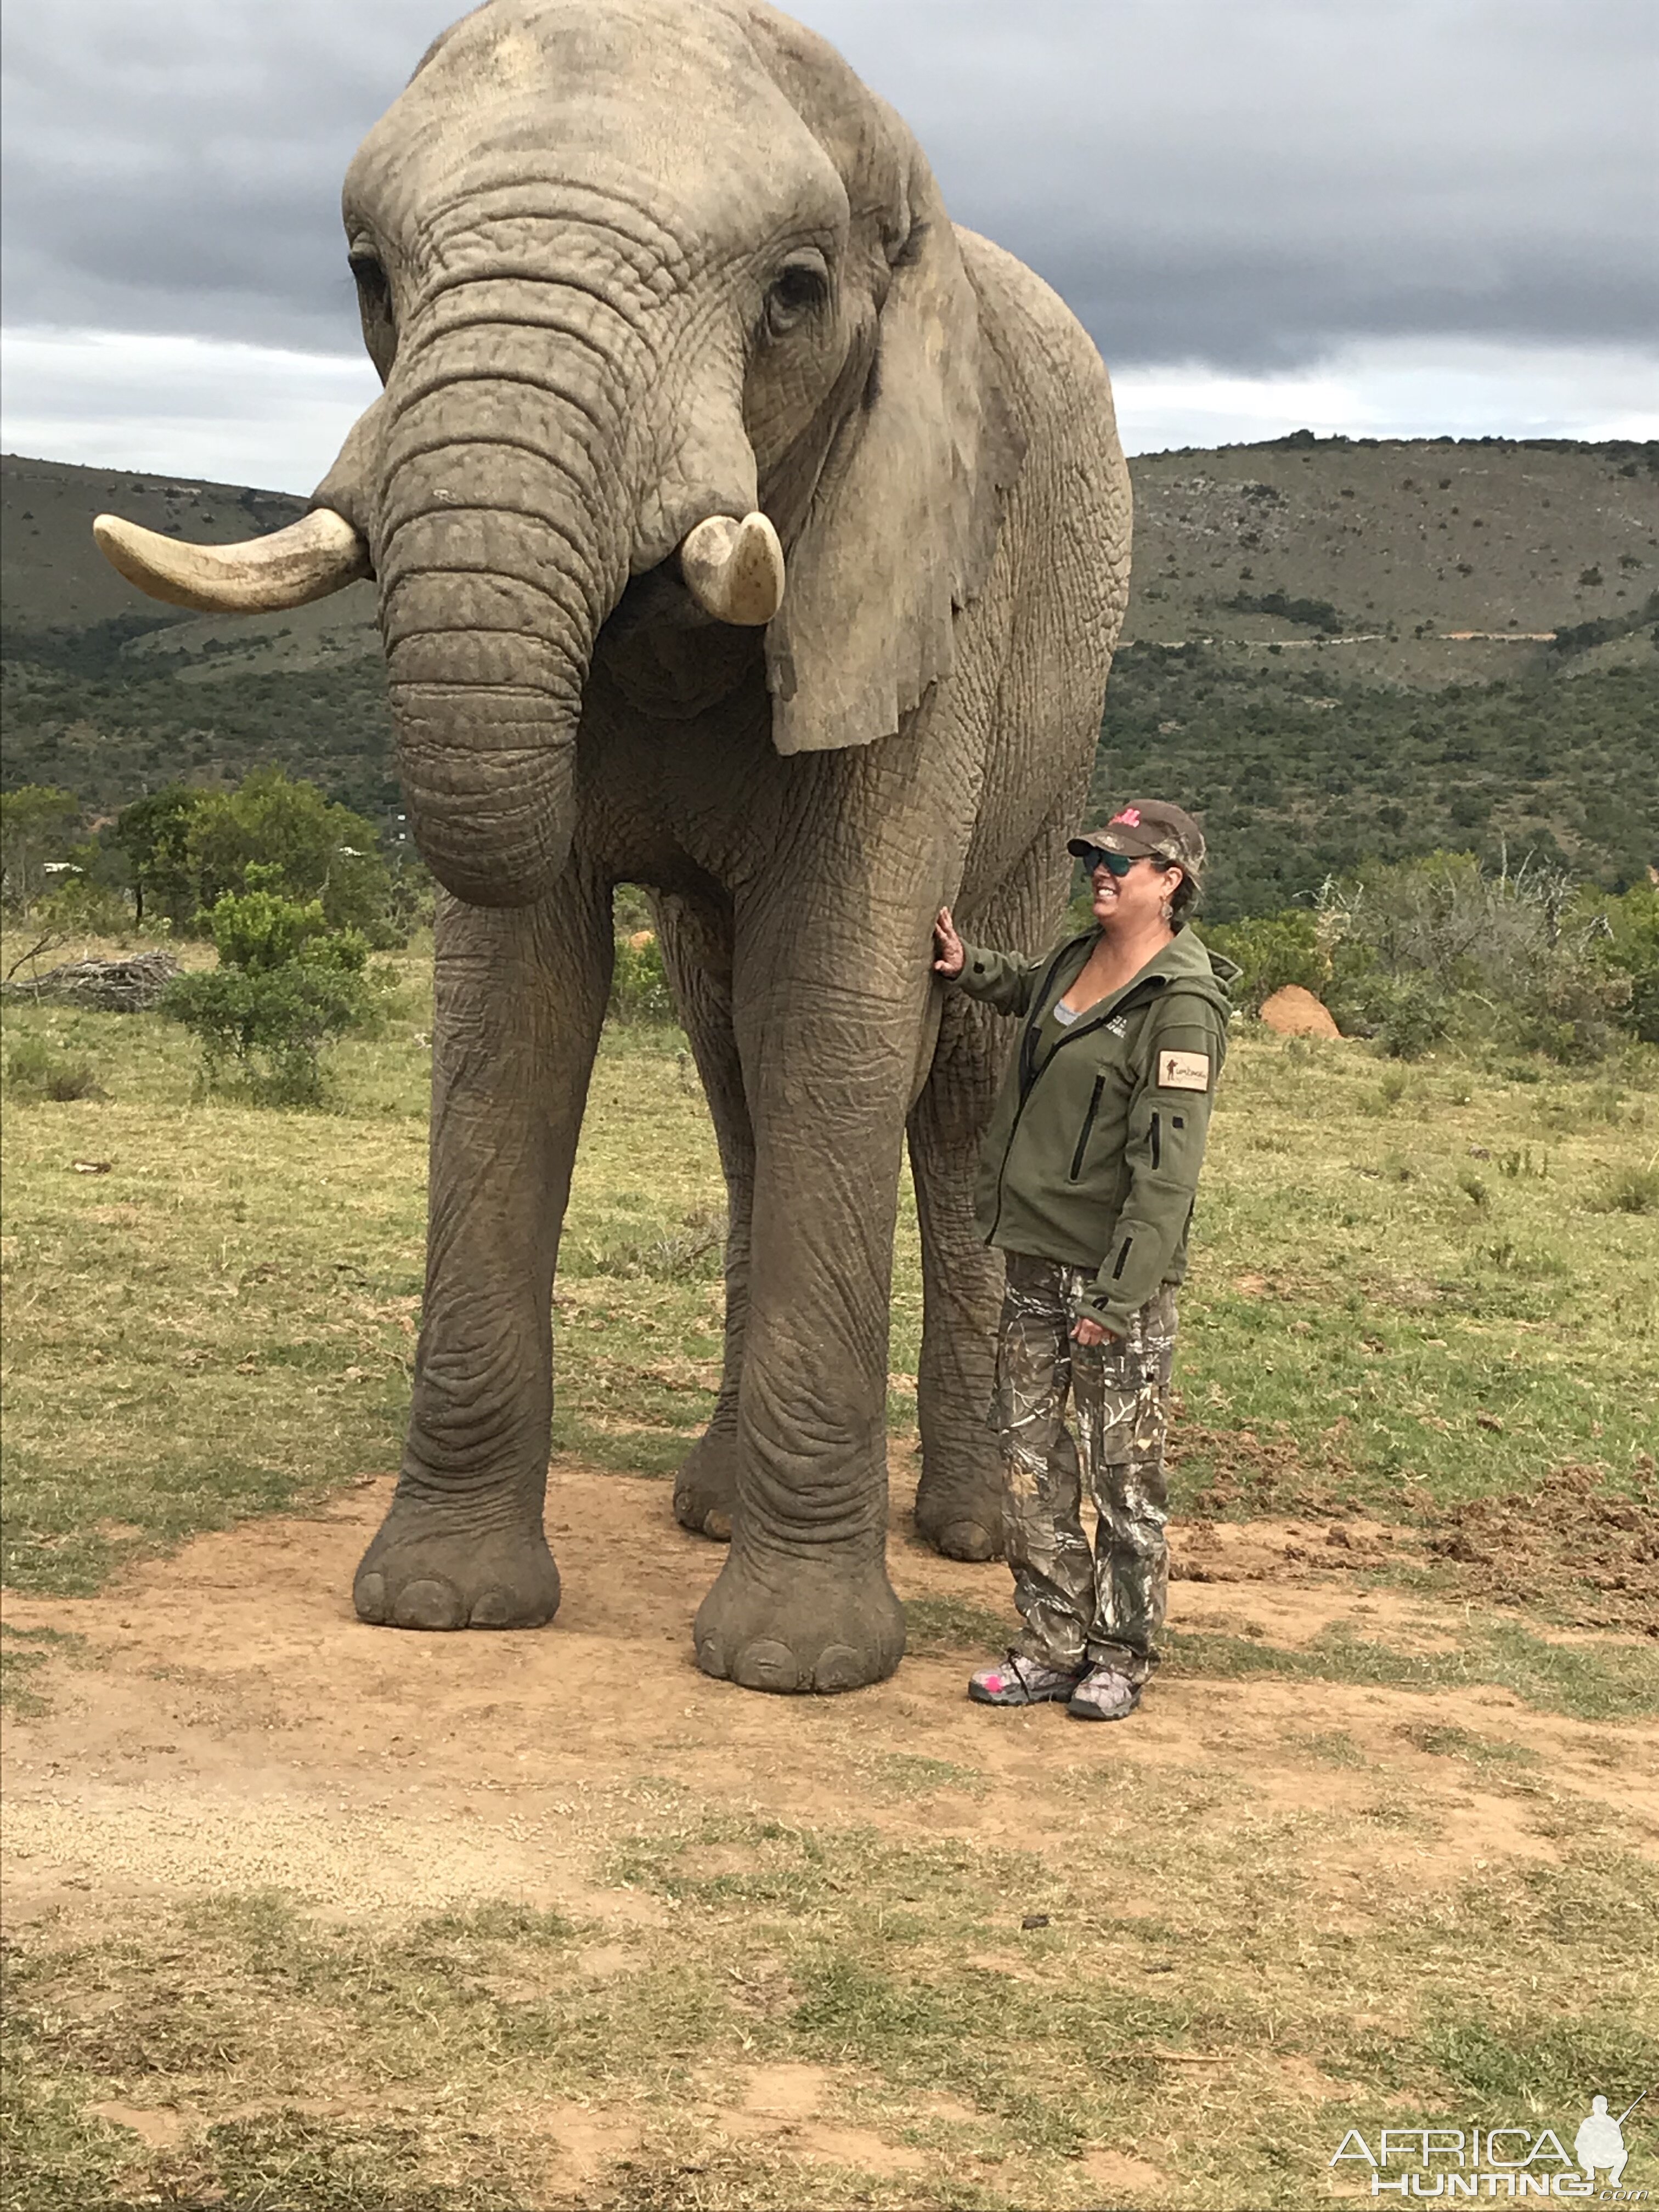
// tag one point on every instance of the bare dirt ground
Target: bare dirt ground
(229, 1725)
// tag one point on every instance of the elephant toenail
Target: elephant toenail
(369, 1598)
(967, 1540)
(838, 1668)
(428, 1602)
(768, 1666)
(711, 1657)
(493, 1608)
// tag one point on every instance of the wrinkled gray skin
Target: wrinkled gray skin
(625, 265)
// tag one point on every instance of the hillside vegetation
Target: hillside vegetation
(1335, 649)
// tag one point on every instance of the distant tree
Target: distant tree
(154, 833)
(36, 825)
(319, 849)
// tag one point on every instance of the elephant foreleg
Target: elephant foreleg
(520, 1000)
(831, 990)
(696, 947)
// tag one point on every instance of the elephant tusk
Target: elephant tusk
(734, 570)
(319, 554)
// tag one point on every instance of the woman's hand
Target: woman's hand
(947, 945)
(1089, 1331)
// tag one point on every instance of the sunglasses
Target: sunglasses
(1115, 864)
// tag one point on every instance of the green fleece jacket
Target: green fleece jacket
(1095, 1144)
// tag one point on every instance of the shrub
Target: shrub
(1274, 951)
(285, 985)
(639, 982)
(1629, 947)
(1444, 947)
(1311, 614)
(33, 1069)
(1635, 1191)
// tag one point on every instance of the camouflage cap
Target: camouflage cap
(1151, 826)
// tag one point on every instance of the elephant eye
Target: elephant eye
(370, 276)
(794, 292)
(374, 307)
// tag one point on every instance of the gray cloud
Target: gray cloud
(1242, 183)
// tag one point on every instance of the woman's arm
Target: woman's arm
(1169, 1124)
(1002, 980)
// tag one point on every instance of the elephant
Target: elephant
(745, 530)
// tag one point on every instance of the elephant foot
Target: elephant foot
(799, 1625)
(962, 1520)
(706, 1487)
(422, 1571)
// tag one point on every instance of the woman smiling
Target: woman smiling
(1087, 1182)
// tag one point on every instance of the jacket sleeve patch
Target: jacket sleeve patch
(1183, 1071)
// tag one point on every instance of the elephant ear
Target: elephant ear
(904, 518)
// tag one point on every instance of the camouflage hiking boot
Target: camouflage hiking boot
(1103, 1695)
(1021, 1682)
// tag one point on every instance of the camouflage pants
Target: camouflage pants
(1099, 1606)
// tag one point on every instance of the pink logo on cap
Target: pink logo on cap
(1131, 815)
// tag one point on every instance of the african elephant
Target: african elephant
(745, 530)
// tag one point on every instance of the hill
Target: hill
(1334, 647)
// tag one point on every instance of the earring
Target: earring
(1166, 912)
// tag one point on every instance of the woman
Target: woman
(1086, 1183)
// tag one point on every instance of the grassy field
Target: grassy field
(1416, 1287)
(1379, 1849)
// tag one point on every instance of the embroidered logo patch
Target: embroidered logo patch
(1131, 815)
(1183, 1071)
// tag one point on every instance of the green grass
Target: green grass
(1597, 1682)
(1362, 1320)
(1488, 1754)
(23, 1653)
(406, 2070)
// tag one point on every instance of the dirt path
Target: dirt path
(238, 1727)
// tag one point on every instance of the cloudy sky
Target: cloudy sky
(1387, 217)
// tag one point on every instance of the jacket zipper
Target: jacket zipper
(1087, 1129)
(1029, 1071)
(1157, 1139)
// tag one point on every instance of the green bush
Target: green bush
(286, 984)
(1407, 1015)
(187, 848)
(1445, 947)
(1629, 947)
(639, 982)
(1274, 951)
(35, 1070)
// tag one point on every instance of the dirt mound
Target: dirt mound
(1292, 1012)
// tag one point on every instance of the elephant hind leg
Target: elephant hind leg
(959, 1501)
(695, 935)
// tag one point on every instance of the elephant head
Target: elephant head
(651, 285)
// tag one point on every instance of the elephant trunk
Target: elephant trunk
(503, 543)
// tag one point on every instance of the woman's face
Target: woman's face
(1135, 901)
